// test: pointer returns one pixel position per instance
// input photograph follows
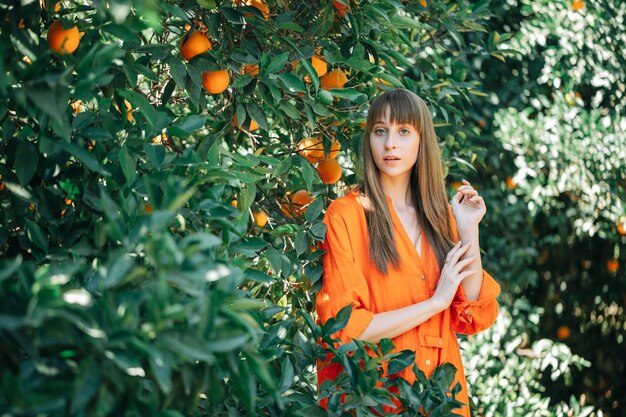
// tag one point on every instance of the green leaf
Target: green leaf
(402, 361)
(257, 115)
(314, 210)
(157, 119)
(290, 109)
(187, 125)
(292, 82)
(278, 62)
(156, 154)
(86, 385)
(9, 266)
(302, 242)
(178, 71)
(84, 156)
(26, 161)
(128, 165)
(36, 235)
(227, 344)
(312, 73)
(117, 271)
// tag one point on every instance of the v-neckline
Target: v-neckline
(404, 233)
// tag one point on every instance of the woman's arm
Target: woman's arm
(474, 281)
(390, 324)
(393, 323)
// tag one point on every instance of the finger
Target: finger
(470, 192)
(457, 197)
(463, 263)
(456, 246)
(459, 253)
(464, 275)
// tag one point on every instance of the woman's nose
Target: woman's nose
(390, 142)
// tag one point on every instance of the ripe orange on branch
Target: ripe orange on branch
(334, 79)
(299, 200)
(259, 5)
(253, 125)
(341, 8)
(612, 266)
(215, 82)
(621, 226)
(250, 69)
(329, 170)
(260, 218)
(194, 43)
(563, 332)
(63, 41)
(313, 149)
(129, 110)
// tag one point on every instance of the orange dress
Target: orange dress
(350, 277)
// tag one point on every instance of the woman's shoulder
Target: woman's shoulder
(349, 205)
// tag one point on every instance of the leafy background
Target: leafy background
(132, 284)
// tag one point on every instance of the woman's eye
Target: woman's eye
(379, 131)
(405, 131)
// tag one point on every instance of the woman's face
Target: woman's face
(394, 147)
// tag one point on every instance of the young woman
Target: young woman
(405, 259)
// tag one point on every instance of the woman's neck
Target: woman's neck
(399, 191)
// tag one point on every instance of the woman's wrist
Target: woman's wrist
(437, 304)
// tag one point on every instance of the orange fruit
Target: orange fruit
(129, 110)
(147, 208)
(563, 332)
(1, 184)
(455, 185)
(77, 106)
(260, 218)
(57, 5)
(196, 44)
(423, 3)
(160, 139)
(261, 6)
(481, 123)
(253, 125)
(334, 79)
(63, 41)
(319, 65)
(233, 203)
(91, 144)
(215, 82)
(329, 170)
(510, 184)
(341, 8)
(313, 149)
(68, 201)
(612, 265)
(577, 5)
(250, 69)
(621, 226)
(299, 200)
(380, 81)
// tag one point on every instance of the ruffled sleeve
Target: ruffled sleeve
(471, 317)
(343, 282)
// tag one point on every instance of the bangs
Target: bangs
(403, 107)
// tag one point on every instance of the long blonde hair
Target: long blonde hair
(427, 185)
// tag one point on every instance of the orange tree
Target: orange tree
(553, 130)
(140, 140)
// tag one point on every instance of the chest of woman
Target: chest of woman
(413, 280)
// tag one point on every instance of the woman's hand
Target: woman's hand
(468, 207)
(452, 274)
